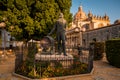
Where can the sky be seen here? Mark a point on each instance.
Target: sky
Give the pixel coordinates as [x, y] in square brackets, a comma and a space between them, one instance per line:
[98, 7]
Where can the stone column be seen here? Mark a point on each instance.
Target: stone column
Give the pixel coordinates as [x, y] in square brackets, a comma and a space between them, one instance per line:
[80, 38]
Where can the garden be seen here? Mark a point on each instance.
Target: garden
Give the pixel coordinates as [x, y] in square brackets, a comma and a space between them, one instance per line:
[36, 69]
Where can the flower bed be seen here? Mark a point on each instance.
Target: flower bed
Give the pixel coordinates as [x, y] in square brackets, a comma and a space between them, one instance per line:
[46, 69]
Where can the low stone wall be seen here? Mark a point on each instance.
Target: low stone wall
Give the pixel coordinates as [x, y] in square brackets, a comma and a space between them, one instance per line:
[101, 34]
[71, 77]
[52, 57]
[66, 61]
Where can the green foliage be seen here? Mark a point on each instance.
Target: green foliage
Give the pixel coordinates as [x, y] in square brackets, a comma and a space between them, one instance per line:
[57, 64]
[79, 68]
[113, 52]
[32, 50]
[33, 74]
[22, 69]
[32, 18]
[27, 69]
[76, 58]
[1, 19]
[45, 69]
[49, 72]
[64, 6]
[3, 5]
[99, 49]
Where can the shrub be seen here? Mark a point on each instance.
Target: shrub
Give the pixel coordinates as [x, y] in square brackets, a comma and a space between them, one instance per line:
[49, 72]
[22, 69]
[99, 49]
[32, 50]
[113, 52]
[44, 69]
[33, 74]
[79, 68]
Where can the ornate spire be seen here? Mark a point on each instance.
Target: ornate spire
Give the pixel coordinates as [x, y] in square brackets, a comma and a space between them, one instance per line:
[90, 14]
[95, 16]
[106, 17]
[80, 8]
[105, 14]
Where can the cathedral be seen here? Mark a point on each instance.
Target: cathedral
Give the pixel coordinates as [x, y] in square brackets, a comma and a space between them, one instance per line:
[88, 27]
[89, 21]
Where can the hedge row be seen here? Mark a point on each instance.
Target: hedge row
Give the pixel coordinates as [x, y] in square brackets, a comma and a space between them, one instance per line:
[113, 52]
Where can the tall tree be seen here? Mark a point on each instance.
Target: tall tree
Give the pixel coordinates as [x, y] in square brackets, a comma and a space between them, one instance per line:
[64, 6]
[28, 19]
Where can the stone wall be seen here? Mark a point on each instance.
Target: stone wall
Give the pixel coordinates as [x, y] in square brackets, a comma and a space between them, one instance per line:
[101, 34]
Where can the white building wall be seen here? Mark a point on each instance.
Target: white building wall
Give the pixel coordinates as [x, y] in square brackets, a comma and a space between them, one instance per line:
[5, 38]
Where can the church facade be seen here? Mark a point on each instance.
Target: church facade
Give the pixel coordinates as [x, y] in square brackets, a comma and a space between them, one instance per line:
[86, 27]
[89, 21]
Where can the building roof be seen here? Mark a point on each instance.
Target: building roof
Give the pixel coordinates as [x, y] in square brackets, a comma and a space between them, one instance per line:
[104, 27]
[117, 21]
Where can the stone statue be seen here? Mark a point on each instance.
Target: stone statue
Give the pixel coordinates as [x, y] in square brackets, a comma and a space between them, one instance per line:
[59, 27]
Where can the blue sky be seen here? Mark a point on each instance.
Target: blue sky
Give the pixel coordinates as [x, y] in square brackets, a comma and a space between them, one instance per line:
[99, 7]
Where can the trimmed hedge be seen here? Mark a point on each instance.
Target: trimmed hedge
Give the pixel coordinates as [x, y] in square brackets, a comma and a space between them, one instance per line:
[99, 49]
[113, 52]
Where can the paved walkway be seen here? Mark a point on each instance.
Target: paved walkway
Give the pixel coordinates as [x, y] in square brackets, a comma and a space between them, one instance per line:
[102, 71]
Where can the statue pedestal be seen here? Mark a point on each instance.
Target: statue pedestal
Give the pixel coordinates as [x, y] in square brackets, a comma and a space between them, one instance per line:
[66, 61]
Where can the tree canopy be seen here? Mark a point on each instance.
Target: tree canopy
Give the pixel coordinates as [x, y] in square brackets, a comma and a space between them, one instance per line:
[27, 19]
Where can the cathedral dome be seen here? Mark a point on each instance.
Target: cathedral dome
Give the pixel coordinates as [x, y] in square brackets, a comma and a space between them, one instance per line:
[80, 14]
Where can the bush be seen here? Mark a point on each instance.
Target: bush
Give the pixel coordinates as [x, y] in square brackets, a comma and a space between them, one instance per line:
[32, 50]
[45, 69]
[113, 52]
[99, 49]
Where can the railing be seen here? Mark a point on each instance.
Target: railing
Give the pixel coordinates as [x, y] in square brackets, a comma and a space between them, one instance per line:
[39, 65]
